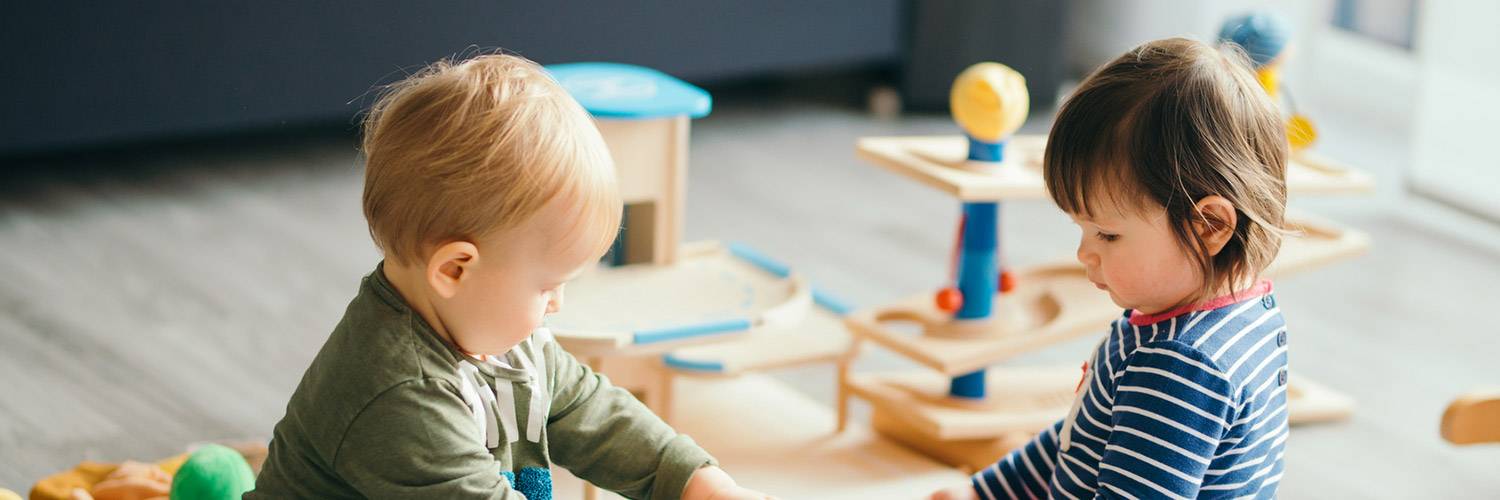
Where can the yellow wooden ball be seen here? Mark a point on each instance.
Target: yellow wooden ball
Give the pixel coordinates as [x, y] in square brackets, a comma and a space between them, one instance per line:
[1300, 132]
[989, 100]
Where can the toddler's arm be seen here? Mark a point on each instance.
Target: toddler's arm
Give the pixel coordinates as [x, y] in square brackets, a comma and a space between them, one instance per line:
[604, 435]
[1023, 473]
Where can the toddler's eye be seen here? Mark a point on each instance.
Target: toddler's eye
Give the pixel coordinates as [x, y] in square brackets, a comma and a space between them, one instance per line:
[1103, 236]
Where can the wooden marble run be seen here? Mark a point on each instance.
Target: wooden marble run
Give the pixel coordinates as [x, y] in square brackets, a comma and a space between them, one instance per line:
[965, 411]
[662, 307]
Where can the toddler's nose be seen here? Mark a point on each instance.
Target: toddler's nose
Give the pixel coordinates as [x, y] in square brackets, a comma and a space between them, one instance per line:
[1086, 257]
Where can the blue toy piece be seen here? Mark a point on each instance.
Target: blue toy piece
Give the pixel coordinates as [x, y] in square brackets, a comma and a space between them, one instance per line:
[655, 335]
[628, 92]
[978, 279]
[1263, 35]
[980, 150]
[760, 260]
[978, 265]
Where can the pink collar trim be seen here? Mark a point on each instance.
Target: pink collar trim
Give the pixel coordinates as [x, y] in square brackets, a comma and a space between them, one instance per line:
[1259, 289]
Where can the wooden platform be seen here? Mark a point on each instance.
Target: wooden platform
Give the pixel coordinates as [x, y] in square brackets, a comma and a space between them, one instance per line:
[1055, 303]
[710, 294]
[931, 160]
[1050, 304]
[775, 440]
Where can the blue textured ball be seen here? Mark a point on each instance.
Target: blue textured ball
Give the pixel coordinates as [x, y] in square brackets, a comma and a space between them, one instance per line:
[1263, 35]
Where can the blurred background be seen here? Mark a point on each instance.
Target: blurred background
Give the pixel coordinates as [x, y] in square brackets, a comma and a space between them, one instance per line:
[180, 217]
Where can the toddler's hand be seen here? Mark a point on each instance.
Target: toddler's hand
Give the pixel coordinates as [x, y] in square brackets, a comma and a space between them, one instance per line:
[712, 483]
[737, 492]
[964, 492]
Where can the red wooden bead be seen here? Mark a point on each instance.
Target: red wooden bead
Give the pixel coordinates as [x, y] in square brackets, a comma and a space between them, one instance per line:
[949, 300]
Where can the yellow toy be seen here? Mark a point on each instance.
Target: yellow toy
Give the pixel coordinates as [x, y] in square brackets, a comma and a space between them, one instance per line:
[1264, 36]
[990, 102]
[90, 480]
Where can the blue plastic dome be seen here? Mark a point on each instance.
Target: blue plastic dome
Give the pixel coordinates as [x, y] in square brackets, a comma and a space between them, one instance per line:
[624, 91]
[1263, 35]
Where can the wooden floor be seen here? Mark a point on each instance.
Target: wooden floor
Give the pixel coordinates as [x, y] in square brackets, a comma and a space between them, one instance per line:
[153, 299]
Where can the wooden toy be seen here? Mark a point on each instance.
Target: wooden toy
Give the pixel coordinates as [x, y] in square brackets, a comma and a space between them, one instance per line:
[132, 481]
[644, 116]
[711, 293]
[961, 332]
[660, 295]
[1473, 418]
[1265, 37]
[779, 441]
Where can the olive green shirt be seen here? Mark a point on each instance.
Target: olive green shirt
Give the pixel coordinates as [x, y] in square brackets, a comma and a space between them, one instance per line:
[388, 409]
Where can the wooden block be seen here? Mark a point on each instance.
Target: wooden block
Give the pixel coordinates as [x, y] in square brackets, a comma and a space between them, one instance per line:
[1309, 402]
[937, 162]
[651, 165]
[968, 455]
[1022, 400]
[1473, 418]
[1050, 304]
[775, 440]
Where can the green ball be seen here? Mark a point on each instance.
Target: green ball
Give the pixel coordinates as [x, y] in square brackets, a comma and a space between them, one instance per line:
[213, 472]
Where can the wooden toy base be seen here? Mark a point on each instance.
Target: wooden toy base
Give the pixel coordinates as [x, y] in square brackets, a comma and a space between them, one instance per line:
[778, 441]
[1309, 402]
[967, 455]
[914, 409]
[1023, 400]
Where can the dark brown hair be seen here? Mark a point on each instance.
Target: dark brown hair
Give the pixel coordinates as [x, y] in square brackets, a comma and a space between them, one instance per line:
[1169, 123]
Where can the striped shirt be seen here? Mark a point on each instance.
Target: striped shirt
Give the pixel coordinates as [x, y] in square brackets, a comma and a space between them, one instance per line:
[1189, 403]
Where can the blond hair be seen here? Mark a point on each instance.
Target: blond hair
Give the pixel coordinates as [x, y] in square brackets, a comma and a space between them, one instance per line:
[463, 150]
[1169, 123]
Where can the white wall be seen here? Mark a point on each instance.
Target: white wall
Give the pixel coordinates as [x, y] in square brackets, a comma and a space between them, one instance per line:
[1457, 120]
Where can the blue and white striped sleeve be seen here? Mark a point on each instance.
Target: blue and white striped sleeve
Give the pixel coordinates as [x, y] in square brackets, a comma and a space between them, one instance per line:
[1172, 407]
[1025, 472]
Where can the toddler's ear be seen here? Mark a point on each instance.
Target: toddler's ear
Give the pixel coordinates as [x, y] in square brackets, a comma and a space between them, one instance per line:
[1216, 222]
[449, 265]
